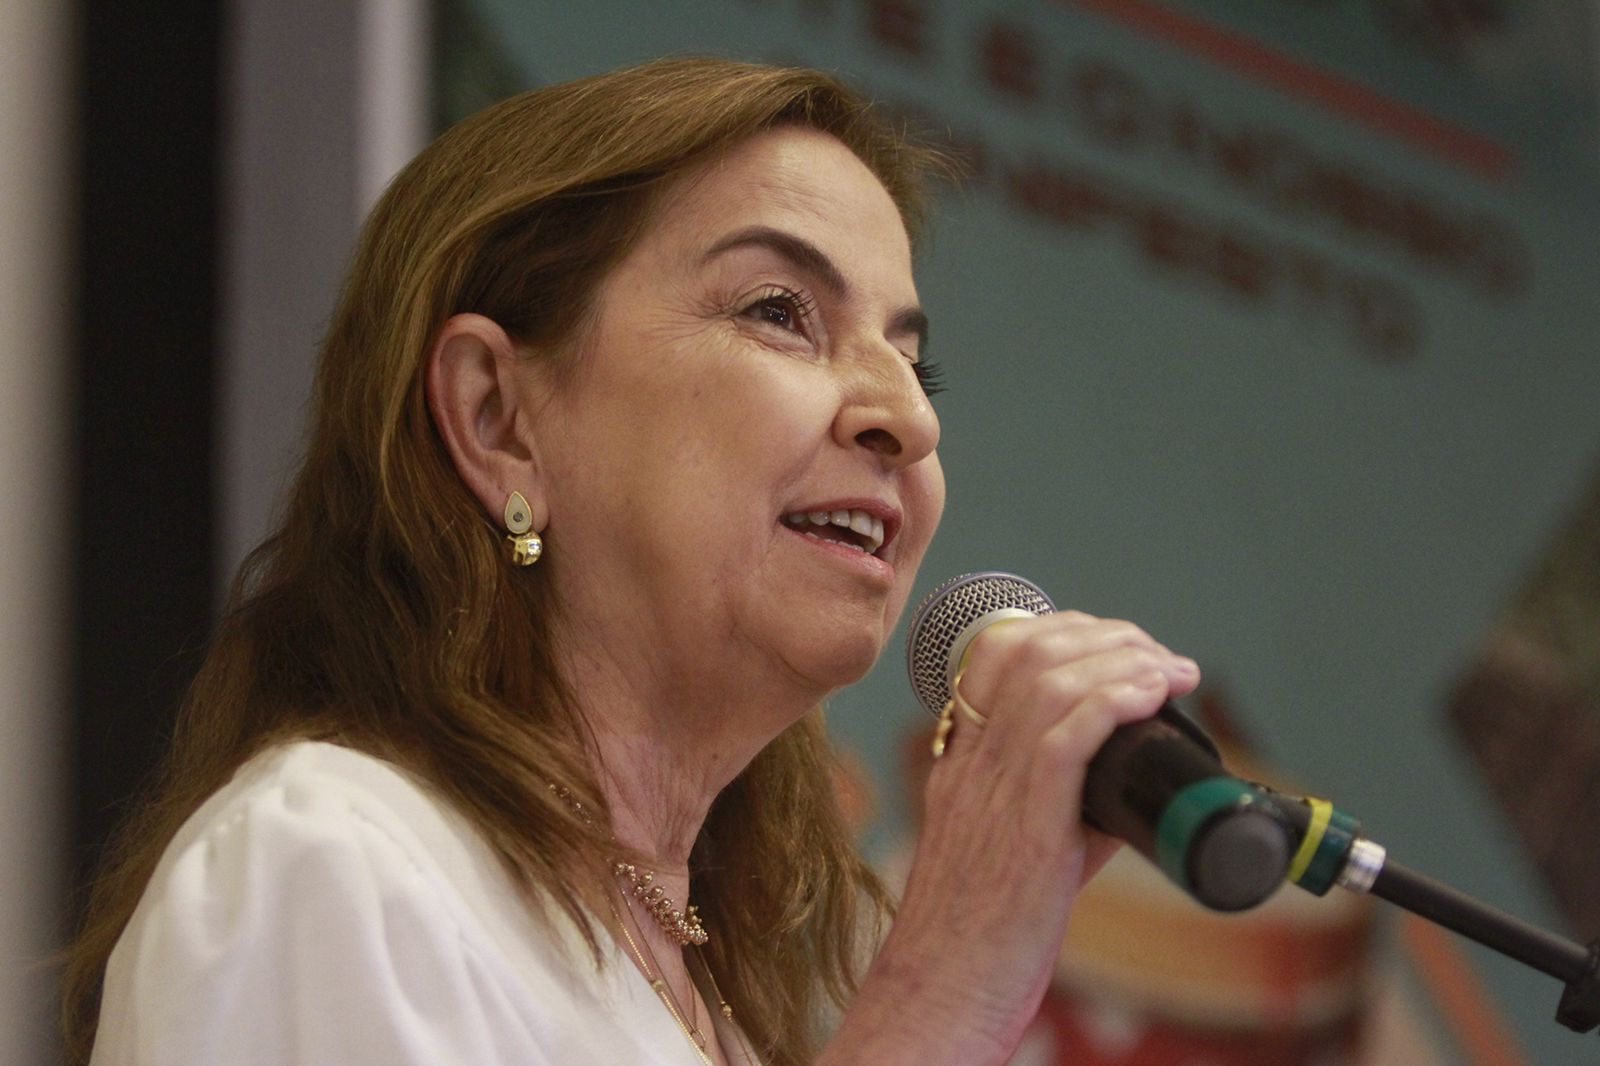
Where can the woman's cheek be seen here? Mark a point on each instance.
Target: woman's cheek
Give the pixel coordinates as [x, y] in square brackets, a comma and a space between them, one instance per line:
[925, 482]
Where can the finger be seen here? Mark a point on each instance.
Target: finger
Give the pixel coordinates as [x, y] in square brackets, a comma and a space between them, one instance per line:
[1034, 702]
[1064, 633]
[1030, 646]
[1065, 748]
[1187, 679]
[958, 719]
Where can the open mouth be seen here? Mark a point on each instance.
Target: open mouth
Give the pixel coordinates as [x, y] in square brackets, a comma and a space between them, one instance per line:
[854, 528]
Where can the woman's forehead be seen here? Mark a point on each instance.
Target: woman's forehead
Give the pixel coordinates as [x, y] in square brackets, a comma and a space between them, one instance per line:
[796, 169]
[793, 180]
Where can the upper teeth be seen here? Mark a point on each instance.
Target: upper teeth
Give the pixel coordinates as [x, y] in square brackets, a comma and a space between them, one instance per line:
[861, 522]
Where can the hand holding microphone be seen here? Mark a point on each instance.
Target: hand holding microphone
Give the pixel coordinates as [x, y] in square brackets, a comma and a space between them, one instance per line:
[1003, 849]
[1092, 695]
[1154, 782]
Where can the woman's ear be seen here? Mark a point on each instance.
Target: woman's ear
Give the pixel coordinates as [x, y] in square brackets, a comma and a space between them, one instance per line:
[471, 383]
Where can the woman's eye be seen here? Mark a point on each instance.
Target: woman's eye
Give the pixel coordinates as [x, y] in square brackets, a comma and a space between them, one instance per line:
[930, 376]
[779, 312]
[788, 311]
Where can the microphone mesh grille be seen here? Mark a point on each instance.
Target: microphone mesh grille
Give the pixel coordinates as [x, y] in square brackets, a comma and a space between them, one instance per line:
[947, 611]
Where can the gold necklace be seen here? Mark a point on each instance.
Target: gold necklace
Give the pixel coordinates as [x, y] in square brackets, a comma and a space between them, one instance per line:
[722, 1004]
[682, 926]
[745, 1054]
[663, 991]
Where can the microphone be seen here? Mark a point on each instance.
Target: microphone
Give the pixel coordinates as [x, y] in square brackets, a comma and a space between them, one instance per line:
[1158, 784]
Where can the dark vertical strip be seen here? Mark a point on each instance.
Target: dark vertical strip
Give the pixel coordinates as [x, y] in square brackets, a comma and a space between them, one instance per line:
[147, 318]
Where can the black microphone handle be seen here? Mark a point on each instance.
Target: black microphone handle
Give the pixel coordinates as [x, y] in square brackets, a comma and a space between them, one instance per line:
[1159, 785]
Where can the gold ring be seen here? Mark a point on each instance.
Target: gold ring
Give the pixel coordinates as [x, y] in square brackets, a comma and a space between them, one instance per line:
[941, 732]
[947, 718]
[978, 719]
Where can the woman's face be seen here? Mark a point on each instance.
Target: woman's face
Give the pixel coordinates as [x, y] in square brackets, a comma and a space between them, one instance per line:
[752, 363]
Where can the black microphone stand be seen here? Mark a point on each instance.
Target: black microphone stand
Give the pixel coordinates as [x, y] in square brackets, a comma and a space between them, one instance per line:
[1333, 852]
[1240, 848]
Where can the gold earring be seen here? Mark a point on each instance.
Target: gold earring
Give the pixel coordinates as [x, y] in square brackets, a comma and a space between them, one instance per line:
[526, 547]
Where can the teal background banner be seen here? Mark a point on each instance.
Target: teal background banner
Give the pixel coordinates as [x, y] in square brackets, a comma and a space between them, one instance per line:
[1268, 325]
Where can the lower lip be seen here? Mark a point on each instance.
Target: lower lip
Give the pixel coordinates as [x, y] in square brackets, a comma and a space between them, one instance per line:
[867, 564]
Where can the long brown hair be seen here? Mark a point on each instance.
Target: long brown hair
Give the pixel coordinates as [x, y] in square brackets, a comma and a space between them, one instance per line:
[382, 614]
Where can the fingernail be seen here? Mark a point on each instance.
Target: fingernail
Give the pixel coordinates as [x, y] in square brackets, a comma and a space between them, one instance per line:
[1188, 665]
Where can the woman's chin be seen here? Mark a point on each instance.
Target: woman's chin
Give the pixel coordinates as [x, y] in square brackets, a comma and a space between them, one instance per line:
[837, 663]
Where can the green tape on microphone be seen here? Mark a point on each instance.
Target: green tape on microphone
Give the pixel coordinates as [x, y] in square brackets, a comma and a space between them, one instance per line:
[1188, 813]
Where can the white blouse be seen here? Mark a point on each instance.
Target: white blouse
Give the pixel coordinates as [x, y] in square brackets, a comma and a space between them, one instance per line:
[324, 909]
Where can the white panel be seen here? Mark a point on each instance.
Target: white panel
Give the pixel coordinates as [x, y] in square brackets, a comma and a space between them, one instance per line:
[325, 101]
[392, 98]
[33, 353]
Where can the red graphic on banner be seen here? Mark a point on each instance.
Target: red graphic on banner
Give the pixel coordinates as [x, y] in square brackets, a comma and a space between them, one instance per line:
[1297, 78]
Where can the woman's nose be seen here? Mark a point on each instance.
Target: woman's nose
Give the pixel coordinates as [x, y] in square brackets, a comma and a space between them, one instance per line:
[886, 412]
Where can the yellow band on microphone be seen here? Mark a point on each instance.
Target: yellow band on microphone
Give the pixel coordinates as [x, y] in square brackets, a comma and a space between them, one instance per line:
[1321, 815]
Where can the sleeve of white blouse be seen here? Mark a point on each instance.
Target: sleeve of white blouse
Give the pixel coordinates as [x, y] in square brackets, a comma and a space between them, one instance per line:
[294, 930]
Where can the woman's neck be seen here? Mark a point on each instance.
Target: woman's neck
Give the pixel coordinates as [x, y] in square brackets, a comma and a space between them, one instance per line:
[657, 805]
[665, 748]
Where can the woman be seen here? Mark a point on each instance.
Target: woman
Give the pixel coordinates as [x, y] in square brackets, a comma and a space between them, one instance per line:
[622, 462]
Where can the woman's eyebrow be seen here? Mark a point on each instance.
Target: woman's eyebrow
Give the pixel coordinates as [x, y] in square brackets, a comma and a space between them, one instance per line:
[801, 254]
[808, 258]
